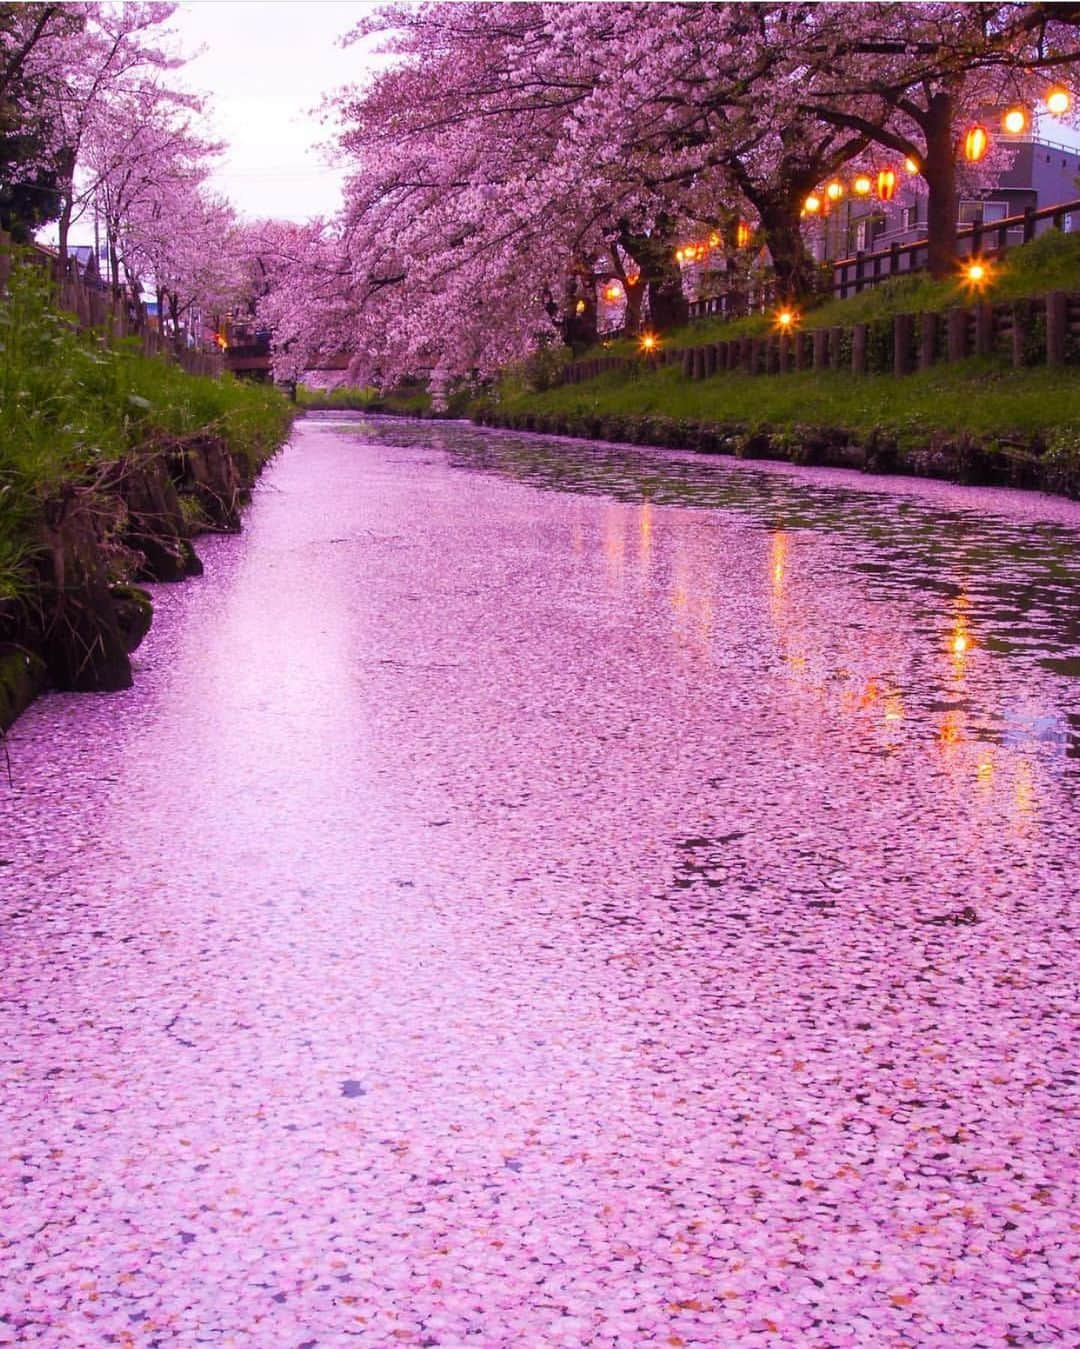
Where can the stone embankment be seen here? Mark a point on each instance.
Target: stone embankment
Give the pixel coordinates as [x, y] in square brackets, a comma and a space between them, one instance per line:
[85, 612]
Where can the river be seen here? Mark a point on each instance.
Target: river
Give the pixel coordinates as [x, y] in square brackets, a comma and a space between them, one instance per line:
[538, 893]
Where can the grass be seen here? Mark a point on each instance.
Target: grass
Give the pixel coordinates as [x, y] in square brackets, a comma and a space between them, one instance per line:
[69, 403]
[982, 397]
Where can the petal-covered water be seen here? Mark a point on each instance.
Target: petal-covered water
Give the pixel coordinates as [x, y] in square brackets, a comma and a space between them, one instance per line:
[538, 894]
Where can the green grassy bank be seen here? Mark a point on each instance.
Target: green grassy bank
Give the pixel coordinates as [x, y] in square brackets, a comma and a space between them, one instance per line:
[110, 462]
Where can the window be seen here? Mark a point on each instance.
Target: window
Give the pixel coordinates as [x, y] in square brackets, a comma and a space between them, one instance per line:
[910, 216]
[980, 212]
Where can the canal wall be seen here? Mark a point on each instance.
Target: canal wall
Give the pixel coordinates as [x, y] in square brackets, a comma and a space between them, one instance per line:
[83, 611]
[1025, 462]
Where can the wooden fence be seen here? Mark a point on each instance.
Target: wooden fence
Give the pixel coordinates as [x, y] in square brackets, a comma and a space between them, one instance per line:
[1030, 332]
[96, 309]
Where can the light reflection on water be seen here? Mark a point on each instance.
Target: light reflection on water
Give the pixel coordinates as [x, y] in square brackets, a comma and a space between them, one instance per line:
[980, 573]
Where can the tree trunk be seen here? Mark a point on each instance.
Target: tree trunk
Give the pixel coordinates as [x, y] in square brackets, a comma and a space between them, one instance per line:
[579, 324]
[65, 186]
[668, 307]
[939, 171]
[796, 271]
[659, 274]
[632, 315]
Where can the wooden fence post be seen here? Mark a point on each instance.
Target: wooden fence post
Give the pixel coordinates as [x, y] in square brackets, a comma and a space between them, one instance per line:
[903, 328]
[687, 363]
[836, 338]
[984, 329]
[858, 349]
[1057, 314]
[710, 360]
[956, 323]
[821, 348]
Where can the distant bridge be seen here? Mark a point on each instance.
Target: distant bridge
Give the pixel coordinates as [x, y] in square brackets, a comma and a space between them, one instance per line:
[251, 360]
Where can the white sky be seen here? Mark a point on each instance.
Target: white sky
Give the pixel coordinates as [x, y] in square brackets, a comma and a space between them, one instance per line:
[266, 67]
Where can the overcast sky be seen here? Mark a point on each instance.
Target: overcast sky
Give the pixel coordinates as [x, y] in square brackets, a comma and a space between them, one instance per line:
[266, 66]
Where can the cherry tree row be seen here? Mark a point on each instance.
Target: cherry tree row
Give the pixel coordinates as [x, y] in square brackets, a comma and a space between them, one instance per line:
[516, 161]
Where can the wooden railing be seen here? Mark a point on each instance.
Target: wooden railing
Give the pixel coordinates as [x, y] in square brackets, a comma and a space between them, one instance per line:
[862, 270]
[854, 274]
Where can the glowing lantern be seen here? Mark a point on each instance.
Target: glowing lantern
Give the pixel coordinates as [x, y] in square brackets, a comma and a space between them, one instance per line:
[679, 255]
[835, 190]
[785, 319]
[648, 342]
[861, 186]
[1015, 121]
[977, 273]
[912, 165]
[886, 185]
[613, 292]
[579, 308]
[742, 234]
[1058, 101]
[714, 240]
[812, 204]
[976, 143]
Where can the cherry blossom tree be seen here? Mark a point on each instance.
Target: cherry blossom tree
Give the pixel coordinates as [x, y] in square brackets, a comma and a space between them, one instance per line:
[145, 163]
[82, 60]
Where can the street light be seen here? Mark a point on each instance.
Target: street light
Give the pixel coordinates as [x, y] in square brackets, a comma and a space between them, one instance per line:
[1058, 100]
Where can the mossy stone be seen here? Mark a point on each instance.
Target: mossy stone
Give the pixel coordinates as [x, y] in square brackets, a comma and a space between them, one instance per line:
[134, 611]
[22, 677]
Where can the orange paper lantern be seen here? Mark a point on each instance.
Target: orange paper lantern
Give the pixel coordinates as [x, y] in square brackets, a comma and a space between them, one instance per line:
[976, 144]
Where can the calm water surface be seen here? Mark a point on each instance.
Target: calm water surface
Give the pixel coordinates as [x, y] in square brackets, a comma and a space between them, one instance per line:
[538, 894]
